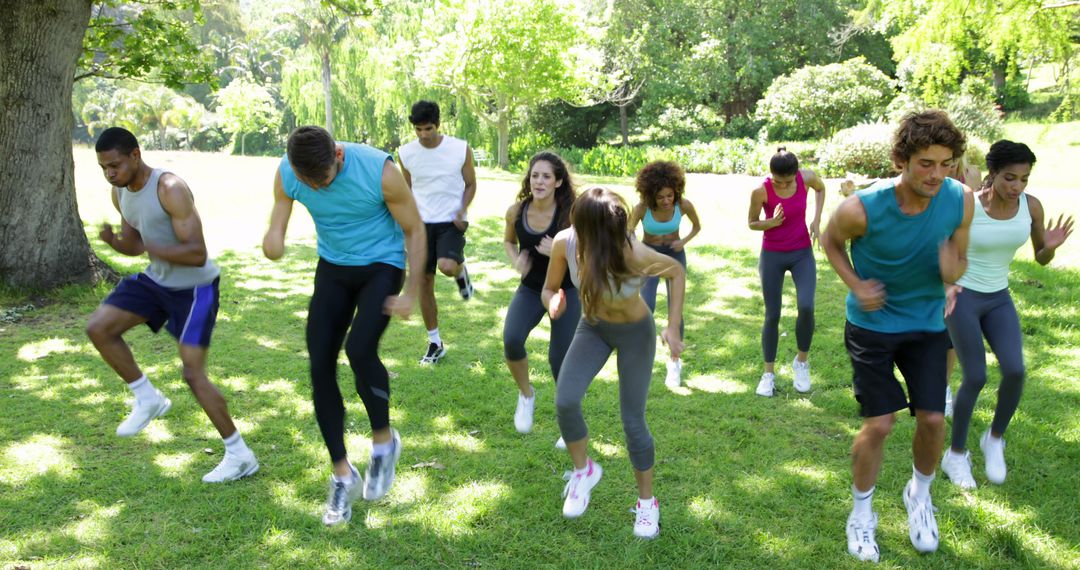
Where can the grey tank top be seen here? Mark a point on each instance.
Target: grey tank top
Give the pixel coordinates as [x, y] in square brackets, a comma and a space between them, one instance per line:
[144, 212]
[630, 287]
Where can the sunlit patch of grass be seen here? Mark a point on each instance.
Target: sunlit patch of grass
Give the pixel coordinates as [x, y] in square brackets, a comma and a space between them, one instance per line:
[458, 510]
[717, 385]
[44, 348]
[37, 456]
[93, 522]
[174, 464]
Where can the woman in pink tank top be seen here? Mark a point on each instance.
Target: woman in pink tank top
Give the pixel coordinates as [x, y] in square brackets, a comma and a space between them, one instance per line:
[786, 246]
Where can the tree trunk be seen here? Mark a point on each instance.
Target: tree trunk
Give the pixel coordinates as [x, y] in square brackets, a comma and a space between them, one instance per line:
[503, 114]
[326, 90]
[44, 244]
[623, 129]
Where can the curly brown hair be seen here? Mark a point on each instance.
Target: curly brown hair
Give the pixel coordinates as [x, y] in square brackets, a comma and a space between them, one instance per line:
[656, 176]
[919, 131]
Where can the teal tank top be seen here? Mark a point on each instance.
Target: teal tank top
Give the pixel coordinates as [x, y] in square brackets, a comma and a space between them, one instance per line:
[992, 246]
[653, 227]
[353, 224]
[901, 252]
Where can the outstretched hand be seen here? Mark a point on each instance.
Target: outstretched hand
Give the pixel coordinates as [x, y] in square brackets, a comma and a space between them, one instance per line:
[1057, 232]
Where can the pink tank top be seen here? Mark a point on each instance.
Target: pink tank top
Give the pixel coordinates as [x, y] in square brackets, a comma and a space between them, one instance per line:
[792, 234]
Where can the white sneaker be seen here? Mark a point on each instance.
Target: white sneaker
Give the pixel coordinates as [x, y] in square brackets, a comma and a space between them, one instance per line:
[922, 527]
[674, 373]
[560, 443]
[993, 449]
[647, 523]
[578, 488]
[801, 371]
[142, 413]
[861, 542]
[948, 401]
[957, 467]
[379, 476]
[232, 467]
[339, 502]
[766, 385]
[523, 416]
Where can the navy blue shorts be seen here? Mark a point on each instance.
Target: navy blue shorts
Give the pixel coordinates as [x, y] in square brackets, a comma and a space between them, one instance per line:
[188, 314]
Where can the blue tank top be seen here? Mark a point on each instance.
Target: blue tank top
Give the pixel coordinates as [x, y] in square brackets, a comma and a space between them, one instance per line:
[901, 252]
[651, 226]
[353, 224]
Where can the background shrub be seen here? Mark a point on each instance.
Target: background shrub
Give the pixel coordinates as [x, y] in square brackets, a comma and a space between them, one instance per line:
[817, 100]
[973, 114]
[862, 149]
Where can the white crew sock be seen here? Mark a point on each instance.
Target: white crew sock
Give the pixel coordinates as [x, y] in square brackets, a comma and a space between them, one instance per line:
[863, 502]
[920, 484]
[142, 388]
[433, 336]
[235, 444]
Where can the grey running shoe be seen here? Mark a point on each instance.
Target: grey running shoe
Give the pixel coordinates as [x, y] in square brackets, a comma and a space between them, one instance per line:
[339, 502]
[380, 472]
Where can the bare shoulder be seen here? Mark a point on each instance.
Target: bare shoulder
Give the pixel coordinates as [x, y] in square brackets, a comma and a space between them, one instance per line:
[513, 211]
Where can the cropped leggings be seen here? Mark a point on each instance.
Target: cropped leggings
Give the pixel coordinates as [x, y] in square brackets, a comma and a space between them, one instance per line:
[992, 315]
[648, 290]
[525, 312]
[771, 267]
[589, 351]
[344, 295]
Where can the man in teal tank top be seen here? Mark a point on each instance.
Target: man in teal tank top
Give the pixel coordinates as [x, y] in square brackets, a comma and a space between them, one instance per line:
[178, 291]
[365, 220]
[909, 237]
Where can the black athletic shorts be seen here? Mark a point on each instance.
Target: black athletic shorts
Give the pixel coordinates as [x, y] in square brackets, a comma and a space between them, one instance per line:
[444, 240]
[920, 356]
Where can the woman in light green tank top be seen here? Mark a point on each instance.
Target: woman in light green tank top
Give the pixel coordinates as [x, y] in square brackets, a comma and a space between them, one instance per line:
[979, 304]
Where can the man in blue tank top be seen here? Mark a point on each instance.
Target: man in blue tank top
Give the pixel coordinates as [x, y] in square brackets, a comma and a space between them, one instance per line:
[179, 290]
[908, 237]
[365, 219]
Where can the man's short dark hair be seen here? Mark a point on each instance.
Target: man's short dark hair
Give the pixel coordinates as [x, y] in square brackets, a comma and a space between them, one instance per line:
[118, 139]
[424, 112]
[311, 151]
[920, 131]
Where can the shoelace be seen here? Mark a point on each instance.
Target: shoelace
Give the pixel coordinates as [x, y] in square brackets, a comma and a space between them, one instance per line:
[571, 481]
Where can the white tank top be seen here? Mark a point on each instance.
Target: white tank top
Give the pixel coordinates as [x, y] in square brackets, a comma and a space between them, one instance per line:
[992, 246]
[437, 183]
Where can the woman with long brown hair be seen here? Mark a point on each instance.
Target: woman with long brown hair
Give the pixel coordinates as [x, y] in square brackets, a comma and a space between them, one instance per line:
[609, 266]
[542, 209]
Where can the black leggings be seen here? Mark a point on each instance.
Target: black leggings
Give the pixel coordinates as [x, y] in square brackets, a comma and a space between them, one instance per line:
[345, 294]
[525, 312]
[771, 267]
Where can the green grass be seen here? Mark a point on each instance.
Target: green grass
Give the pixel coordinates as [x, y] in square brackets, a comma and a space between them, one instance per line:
[745, 482]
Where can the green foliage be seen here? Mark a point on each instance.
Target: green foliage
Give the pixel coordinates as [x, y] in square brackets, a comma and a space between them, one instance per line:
[817, 100]
[721, 156]
[571, 125]
[145, 40]
[246, 108]
[862, 149]
[971, 114]
[679, 125]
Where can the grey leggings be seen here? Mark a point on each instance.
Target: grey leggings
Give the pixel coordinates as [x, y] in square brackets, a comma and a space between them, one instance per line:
[991, 315]
[525, 312]
[589, 351]
[771, 267]
[648, 290]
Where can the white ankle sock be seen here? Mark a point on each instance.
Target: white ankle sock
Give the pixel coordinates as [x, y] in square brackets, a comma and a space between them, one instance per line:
[143, 389]
[433, 336]
[920, 484]
[353, 475]
[863, 502]
[381, 449]
[235, 444]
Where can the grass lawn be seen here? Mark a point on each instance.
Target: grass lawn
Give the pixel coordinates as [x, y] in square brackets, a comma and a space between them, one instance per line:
[744, 481]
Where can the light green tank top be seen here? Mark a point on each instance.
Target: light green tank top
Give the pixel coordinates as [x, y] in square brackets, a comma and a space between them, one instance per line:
[992, 246]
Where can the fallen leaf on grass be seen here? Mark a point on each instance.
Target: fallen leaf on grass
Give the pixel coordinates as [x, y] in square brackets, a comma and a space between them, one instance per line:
[429, 464]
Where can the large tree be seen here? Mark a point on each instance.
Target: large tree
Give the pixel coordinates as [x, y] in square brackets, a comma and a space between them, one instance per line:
[41, 46]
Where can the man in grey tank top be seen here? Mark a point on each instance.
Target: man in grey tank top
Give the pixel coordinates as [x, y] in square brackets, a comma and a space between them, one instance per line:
[179, 290]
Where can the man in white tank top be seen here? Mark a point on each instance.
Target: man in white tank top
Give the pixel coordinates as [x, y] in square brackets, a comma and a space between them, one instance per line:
[178, 291]
[439, 170]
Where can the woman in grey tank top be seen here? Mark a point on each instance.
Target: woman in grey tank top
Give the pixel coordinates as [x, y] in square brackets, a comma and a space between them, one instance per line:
[608, 267]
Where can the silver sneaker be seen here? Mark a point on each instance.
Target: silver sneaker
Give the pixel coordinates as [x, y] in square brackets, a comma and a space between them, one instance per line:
[339, 502]
[380, 472]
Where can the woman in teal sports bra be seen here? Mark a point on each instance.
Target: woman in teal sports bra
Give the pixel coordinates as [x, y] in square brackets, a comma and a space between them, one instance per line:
[660, 185]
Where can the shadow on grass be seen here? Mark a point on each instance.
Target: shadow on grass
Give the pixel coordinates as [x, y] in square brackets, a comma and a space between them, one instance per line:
[745, 481]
